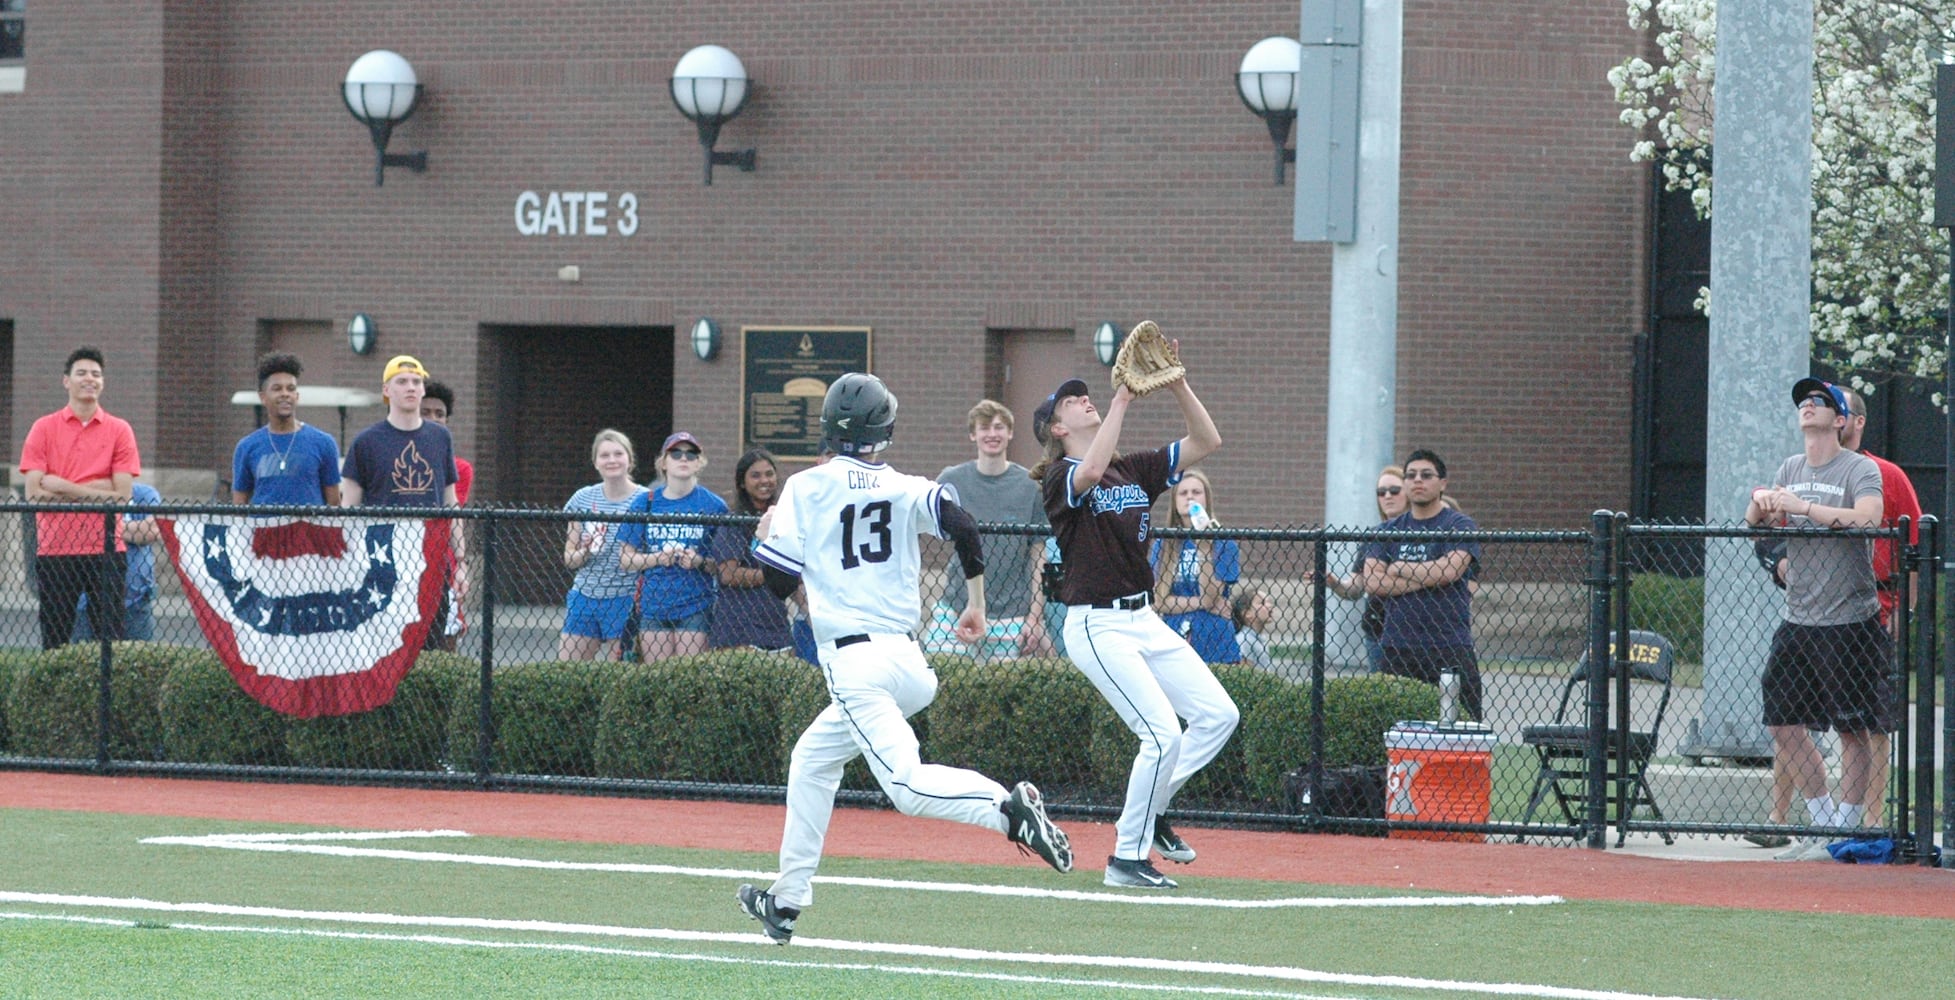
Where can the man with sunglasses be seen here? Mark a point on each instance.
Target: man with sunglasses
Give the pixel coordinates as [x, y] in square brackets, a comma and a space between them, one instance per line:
[1425, 586]
[1828, 665]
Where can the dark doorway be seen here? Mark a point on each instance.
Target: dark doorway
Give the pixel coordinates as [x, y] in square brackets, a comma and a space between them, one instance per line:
[554, 388]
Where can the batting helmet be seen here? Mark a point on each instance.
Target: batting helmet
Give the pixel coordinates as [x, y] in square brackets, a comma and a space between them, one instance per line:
[859, 415]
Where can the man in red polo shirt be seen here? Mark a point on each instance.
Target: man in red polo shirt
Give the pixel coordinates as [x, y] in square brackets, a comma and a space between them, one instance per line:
[79, 454]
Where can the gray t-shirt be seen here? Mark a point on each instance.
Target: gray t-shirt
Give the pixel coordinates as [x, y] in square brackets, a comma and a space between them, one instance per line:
[1829, 581]
[1010, 497]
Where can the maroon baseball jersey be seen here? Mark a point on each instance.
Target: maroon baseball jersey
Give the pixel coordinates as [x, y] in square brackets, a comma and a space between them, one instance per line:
[1103, 532]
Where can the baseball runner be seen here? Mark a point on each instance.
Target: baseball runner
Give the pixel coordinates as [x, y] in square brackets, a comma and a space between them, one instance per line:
[847, 531]
[1099, 504]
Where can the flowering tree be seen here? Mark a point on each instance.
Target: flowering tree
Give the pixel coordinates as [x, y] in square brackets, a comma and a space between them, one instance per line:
[1879, 267]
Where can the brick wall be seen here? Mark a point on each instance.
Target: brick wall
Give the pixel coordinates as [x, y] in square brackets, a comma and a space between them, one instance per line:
[930, 170]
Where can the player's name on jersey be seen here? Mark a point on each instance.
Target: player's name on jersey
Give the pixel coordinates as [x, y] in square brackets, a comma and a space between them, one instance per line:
[864, 479]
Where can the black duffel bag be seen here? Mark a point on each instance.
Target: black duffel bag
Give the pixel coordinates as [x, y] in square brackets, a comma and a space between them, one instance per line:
[1356, 792]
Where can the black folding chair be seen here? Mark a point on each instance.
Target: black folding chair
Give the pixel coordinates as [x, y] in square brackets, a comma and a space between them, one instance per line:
[1563, 744]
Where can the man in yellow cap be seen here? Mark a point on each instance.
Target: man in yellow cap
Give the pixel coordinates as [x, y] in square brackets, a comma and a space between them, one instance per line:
[402, 461]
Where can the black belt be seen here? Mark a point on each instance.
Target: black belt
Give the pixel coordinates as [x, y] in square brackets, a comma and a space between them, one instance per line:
[850, 640]
[1133, 602]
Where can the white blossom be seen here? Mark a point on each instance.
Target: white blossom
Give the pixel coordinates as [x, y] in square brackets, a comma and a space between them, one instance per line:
[1879, 267]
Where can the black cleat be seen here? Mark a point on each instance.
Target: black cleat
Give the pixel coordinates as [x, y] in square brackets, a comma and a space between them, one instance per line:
[1124, 874]
[778, 922]
[1170, 844]
[1027, 825]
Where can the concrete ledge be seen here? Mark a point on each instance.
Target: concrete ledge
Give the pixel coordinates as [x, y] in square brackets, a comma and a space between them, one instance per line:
[1699, 794]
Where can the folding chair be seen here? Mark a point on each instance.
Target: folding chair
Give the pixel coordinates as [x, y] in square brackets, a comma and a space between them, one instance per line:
[1563, 745]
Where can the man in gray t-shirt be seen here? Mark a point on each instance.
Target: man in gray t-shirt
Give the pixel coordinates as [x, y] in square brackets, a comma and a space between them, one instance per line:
[1829, 661]
[997, 490]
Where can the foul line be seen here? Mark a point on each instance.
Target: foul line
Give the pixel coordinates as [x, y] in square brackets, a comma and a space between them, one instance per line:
[1119, 962]
[321, 844]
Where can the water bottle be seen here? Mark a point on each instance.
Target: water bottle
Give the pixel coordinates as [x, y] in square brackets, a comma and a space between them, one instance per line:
[1448, 697]
[1198, 516]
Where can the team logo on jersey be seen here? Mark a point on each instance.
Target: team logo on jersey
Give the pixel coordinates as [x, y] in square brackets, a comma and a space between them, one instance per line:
[1115, 499]
[312, 619]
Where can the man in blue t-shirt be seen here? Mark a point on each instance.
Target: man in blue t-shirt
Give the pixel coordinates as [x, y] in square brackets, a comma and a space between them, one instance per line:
[287, 461]
[1428, 606]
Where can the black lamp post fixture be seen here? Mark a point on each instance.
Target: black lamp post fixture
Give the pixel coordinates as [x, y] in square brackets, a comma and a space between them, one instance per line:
[1267, 83]
[710, 86]
[381, 92]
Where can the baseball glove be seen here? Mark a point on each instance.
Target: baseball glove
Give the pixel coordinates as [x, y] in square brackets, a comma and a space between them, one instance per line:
[1146, 361]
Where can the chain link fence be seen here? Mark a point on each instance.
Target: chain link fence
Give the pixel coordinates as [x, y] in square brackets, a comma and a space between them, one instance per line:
[450, 649]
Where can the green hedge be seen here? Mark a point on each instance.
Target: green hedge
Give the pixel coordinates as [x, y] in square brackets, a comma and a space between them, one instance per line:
[1012, 719]
[1673, 606]
[207, 718]
[406, 734]
[712, 717]
[1357, 712]
[546, 718]
[12, 661]
[1225, 781]
[51, 707]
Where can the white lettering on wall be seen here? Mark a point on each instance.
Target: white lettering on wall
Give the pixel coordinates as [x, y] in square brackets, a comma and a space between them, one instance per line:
[575, 213]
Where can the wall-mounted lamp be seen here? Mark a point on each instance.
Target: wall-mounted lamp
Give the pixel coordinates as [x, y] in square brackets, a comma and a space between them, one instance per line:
[1106, 343]
[710, 86]
[361, 333]
[705, 339]
[381, 92]
[1267, 83]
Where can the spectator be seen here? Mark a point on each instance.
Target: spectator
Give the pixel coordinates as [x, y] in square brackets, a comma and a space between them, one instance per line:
[1830, 657]
[1193, 577]
[1428, 603]
[79, 454]
[600, 598]
[747, 614]
[1392, 502]
[287, 461]
[407, 460]
[1252, 611]
[138, 580]
[437, 406]
[675, 594]
[996, 490]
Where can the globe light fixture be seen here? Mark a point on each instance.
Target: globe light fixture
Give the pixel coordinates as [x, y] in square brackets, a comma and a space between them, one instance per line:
[710, 86]
[1267, 83]
[381, 91]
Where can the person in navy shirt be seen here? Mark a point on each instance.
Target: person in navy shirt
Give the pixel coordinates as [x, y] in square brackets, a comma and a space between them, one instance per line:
[675, 594]
[1426, 586]
[287, 461]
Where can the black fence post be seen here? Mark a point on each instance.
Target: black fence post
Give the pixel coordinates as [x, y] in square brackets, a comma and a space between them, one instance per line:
[1921, 618]
[1602, 528]
[1319, 608]
[104, 701]
[485, 738]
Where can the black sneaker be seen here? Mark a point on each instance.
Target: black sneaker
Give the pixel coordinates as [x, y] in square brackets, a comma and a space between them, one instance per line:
[1124, 874]
[1027, 826]
[777, 921]
[1170, 844]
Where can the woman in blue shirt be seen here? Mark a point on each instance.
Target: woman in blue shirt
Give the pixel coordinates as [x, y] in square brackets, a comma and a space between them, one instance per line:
[1193, 577]
[675, 593]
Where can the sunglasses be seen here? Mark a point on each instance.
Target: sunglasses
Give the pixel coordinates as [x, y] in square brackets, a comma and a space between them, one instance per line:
[1389, 491]
[1421, 474]
[1816, 399]
[685, 453]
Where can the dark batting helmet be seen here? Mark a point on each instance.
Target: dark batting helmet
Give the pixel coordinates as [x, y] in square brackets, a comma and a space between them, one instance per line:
[859, 415]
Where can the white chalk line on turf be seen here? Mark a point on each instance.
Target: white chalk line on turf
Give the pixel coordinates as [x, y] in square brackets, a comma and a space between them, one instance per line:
[1123, 963]
[591, 949]
[318, 843]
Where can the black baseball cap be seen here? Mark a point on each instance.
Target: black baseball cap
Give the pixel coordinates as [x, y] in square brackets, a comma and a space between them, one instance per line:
[1042, 417]
[1807, 386]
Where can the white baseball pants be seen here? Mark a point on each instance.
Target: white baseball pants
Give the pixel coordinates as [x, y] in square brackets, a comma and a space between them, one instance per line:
[1150, 675]
[875, 686]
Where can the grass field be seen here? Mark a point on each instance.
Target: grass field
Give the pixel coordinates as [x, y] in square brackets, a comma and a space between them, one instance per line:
[95, 905]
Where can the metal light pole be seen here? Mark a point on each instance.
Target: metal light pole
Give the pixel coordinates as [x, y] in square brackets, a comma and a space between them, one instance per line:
[1945, 220]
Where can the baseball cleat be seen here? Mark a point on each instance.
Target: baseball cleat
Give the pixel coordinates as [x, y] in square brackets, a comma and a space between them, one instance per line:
[1124, 874]
[1170, 844]
[777, 921]
[1027, 825]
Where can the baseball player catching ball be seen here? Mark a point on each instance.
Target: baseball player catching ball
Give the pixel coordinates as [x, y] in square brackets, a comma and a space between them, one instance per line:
[847, 530]
[1099, 505]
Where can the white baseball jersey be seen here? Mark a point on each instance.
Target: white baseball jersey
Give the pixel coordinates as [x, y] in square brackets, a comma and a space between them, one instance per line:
[848, 528]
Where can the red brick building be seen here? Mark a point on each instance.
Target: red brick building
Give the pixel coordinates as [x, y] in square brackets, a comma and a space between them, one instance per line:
[980, 184]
